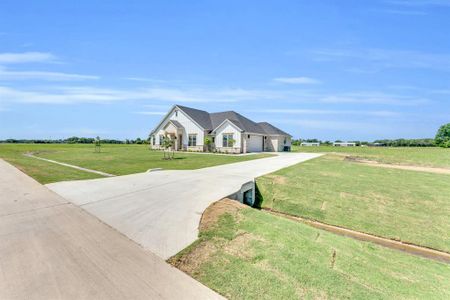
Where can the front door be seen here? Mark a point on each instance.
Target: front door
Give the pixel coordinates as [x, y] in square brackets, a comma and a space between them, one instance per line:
[180, 142]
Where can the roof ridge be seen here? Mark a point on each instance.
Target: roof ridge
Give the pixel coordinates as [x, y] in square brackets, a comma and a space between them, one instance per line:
[182, 106]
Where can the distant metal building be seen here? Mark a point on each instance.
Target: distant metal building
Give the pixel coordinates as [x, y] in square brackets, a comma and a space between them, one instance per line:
[344, 144]
[309, 144]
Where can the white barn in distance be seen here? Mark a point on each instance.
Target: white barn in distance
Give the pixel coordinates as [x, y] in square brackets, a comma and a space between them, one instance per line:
[305, 144]
[228, 132]
[344, 144]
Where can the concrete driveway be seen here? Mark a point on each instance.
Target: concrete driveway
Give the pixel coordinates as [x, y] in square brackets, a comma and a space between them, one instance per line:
[161, 210]
[52, 249]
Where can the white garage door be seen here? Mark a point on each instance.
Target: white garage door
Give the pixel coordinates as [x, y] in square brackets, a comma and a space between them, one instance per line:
[255, 143]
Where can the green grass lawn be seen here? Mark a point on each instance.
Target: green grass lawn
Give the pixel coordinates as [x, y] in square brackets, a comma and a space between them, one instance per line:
[431, 156]
[404, 205]
[114, 159]
[250, 254]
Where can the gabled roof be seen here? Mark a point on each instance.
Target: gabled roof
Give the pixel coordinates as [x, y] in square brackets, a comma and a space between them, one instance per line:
[176, 123]
[237, 119]
[272, 130]
[210, 121]
[199, 116]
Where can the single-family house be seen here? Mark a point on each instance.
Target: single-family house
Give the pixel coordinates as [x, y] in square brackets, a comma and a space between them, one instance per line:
[228, 132]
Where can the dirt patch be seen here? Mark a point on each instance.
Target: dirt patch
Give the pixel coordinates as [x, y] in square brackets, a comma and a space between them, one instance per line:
[373, 163]
[192, 258]
[31, 153]
[212, 214]
[191, 261]
[277, 179]
[238, 246]
[333, 259]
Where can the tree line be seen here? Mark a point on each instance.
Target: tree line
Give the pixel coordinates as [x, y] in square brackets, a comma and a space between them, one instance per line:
[442, 139]
[380, 143]
[74, 140]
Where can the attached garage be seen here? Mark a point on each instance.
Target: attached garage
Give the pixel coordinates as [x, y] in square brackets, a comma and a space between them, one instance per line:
[254, 143]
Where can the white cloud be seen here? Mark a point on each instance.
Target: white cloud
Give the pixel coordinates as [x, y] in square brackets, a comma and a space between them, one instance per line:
[30, 57]
[151, 113]
[26, 57]
[163, 107]
[323, 124]
[376, 59]
[420, 2]
[42, 75]
[297, 80]
[376, 113]
[442, 92]
[71, 95]
[373, 98]
[87, 94]
[406, 12]
[142, 79]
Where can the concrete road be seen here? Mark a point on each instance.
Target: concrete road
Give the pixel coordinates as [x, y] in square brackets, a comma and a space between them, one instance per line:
[52, 249]
[161, 210]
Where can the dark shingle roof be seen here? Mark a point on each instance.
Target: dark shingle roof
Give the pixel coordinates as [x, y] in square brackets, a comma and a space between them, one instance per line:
[199, 116]
[210, 121]
[176, 123]
[270, 129]
[237, 119]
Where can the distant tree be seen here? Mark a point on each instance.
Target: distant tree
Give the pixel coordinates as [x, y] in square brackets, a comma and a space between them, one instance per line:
[138, 141]
[98, 144]
[442, 138]
[72, 140]
[295, 142]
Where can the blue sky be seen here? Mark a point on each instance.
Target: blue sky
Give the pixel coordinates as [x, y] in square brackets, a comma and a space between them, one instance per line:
[317, 69]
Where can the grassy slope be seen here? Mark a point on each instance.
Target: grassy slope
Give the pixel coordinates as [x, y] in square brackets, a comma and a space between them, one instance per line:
[42, 171]
[405, 205]
[114, 159]
[267, 257]
[432, 157]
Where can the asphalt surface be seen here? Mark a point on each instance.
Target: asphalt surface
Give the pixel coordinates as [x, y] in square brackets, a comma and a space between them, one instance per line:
[52, 249]
[161, 210]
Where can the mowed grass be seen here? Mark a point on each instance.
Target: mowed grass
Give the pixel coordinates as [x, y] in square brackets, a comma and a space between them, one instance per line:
[251, 254]
[429, 157]
[113, 159]
[403, 205]
[43, 172]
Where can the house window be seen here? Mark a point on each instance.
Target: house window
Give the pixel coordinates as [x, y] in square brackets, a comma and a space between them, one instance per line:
[153, 140]
[192, 140]
[227, 140]
[285, 141]
[176, 113]
[161, 139]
